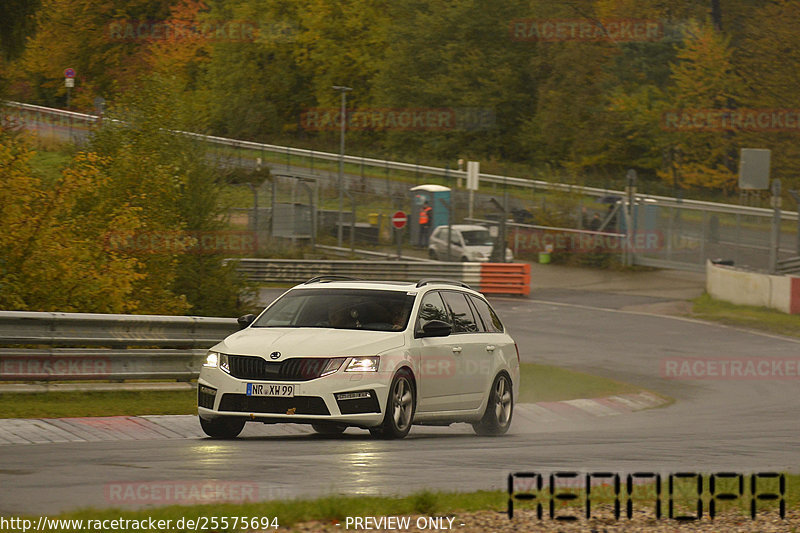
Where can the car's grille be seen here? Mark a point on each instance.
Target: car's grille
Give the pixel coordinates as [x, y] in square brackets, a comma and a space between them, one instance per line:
[298, 369]
[302, 405]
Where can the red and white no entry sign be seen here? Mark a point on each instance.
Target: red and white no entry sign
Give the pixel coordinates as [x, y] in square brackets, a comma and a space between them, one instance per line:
[399, 220]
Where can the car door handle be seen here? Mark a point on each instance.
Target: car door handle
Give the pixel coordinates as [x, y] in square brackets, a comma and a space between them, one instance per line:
[490, 347]
[456, 349]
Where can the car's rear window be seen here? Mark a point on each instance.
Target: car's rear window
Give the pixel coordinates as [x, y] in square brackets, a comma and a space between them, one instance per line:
[368, 309]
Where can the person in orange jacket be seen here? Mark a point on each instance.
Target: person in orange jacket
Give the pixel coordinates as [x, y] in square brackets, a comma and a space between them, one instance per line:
[425, 219]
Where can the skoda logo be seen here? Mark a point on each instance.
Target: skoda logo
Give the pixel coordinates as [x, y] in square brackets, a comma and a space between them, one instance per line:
[275, 355]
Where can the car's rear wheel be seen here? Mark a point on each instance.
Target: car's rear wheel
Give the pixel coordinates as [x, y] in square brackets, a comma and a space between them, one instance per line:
[222, 428]
[400, 407]
[329, 429]
[499, 409]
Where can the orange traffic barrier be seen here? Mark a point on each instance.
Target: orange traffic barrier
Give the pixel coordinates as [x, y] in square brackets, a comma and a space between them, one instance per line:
[506, 278]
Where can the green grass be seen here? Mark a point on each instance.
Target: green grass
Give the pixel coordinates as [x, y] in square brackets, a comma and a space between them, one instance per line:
[335, 509]
[759, 318]
[71, 404]
[545, 383]
[327, 509]
[539, 383]
[48, 164]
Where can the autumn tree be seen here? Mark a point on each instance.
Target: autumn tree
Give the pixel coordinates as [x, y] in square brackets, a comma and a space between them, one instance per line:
[768, 58]
[704, 79]
[102, 41]
[52, 250]
[171, 180]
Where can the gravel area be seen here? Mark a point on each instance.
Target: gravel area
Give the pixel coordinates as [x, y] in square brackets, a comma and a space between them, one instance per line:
[491, 521]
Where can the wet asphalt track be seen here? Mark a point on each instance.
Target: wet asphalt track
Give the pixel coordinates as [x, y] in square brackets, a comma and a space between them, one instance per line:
[743, 425]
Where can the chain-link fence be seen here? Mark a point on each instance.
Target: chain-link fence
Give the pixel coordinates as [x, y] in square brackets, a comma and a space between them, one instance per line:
[305, 200]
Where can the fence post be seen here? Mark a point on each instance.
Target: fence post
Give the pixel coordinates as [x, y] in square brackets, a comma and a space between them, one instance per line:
[704, 237]
[775, 236]
[796, 196]
[630, 215]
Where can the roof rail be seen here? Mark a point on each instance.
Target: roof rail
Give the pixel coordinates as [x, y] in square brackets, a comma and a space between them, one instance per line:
[317, 279]
[426, 281]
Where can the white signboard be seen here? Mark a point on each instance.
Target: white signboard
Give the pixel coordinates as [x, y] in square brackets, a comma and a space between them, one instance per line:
[754, 169]
[473, 173]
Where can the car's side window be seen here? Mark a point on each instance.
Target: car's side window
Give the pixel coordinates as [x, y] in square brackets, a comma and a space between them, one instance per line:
[480, 323]
[432, 308]
[487, 314]
[463, 319]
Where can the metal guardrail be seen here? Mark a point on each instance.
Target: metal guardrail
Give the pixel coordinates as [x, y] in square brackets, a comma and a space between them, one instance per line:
[297, 271]
[437, 171]
[82, 346]
[389, 256]
[789, 266]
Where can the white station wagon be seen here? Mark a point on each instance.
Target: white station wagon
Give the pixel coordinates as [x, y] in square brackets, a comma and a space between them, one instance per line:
[380, 356]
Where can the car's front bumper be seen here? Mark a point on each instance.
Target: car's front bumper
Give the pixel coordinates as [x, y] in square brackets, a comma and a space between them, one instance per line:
[220, 394]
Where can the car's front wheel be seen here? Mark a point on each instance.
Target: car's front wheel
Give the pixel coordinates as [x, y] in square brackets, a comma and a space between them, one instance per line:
[222, 428]
[432, 254]
[400, 407]
[499, 409]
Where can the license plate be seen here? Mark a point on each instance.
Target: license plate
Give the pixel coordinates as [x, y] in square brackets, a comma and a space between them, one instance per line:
[276, 390]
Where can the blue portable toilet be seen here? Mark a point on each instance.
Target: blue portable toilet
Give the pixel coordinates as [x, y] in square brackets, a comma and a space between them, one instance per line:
[438, 197]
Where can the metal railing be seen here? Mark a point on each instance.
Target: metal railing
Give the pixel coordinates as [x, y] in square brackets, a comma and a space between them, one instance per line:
[89, 120]
[297, 271]
[36, 346]
[82, 346]
[689, 231]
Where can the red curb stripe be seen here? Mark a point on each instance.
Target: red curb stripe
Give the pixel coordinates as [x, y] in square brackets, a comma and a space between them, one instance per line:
[794, 297]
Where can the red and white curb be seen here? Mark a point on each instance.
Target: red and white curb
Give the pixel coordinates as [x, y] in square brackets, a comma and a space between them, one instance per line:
[127, 428]
[596, 407]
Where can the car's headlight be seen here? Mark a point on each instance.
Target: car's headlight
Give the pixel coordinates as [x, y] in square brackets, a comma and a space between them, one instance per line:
[363, 364]
[217, 360]
[212, 360]
[332, 366]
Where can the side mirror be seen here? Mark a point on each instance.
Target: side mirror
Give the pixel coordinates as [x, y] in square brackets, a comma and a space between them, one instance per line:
[436, 328]
[245, 320]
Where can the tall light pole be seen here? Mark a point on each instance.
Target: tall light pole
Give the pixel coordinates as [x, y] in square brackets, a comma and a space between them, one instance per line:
[343, 116]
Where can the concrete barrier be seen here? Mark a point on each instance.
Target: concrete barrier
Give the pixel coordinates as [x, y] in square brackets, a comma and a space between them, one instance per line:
[752, 288]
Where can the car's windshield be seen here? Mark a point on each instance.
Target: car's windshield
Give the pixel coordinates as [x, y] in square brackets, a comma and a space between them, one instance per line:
[478, 237]
[377, 310]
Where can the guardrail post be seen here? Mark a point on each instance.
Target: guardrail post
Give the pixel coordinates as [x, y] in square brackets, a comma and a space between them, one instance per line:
[796, 196]
[775, 235]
